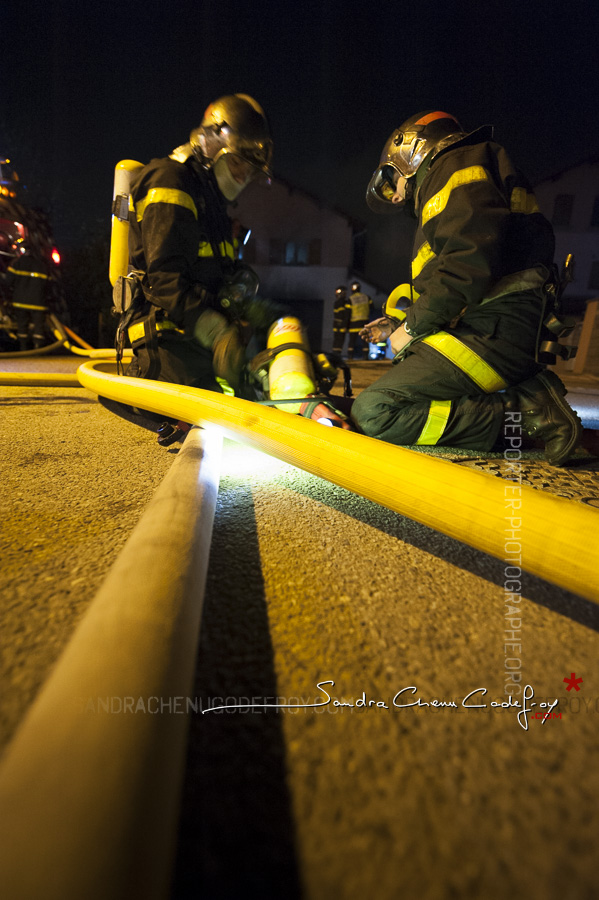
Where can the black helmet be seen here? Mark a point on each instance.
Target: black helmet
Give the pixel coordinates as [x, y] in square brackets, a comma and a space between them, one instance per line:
[234, 124]
[341, 289]
[356, 287]
[423, 135]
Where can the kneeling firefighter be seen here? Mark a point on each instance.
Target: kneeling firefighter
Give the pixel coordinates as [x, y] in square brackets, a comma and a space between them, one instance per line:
[187, 304]
[186, 301]
[472, 348]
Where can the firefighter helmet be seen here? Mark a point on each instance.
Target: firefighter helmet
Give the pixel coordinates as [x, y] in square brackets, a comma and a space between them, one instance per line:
[356, 287]
[235, 124]
[420, 137]
[341, 290]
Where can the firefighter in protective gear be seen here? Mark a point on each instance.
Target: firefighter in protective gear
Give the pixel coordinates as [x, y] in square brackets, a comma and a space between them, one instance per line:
[342, 315]
[482, 263]
[29, 279]
[361, 306]
[194, 298]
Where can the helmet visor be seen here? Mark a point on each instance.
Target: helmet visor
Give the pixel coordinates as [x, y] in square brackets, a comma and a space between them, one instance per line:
[245, 164]
[381, 190]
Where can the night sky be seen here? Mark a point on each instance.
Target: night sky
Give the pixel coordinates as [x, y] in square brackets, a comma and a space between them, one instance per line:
[83, 87]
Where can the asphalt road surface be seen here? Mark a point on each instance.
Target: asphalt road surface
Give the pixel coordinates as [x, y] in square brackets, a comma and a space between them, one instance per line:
[322, 601]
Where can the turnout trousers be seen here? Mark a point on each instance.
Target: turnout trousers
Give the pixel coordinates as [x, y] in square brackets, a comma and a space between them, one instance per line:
[446, 391]
[354, 342]
[178, 361]
[339, 333]
[37, 315]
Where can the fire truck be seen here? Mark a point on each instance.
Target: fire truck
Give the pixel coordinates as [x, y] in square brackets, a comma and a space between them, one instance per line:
[18, 221]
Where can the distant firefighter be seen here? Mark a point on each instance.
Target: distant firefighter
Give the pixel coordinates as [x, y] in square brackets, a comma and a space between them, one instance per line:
[28, 279]
[342, 315]
[361, 307]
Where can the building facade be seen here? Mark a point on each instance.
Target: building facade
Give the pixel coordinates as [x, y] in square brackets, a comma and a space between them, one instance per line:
[302, 250]
[570, 200]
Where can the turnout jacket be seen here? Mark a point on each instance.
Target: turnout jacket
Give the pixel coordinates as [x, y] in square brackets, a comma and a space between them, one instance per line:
[361, 304]
[480, 242]
[28, 277]
[342, 313]
[180, 237]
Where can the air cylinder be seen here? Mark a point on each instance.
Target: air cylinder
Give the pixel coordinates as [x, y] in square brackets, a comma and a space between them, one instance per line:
[119, 237]
[291, 374]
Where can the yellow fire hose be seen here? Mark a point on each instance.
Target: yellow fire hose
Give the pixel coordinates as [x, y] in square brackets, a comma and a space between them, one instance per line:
[77, 339]
[485, 512]
[26, 354]
[39, 379]
[61, 332]
[105, 353]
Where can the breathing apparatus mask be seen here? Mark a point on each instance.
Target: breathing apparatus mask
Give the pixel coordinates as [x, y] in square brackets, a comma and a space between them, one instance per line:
[228, 185]
[239, 288]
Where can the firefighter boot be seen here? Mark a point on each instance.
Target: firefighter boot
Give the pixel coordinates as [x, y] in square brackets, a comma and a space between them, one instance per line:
[546, 415]
[169, 433]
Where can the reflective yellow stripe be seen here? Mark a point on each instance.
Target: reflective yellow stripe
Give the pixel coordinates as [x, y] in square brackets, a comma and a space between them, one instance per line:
[165, 195]
[467, 360]
[522, 201]
[29, 306]
[226, 249]
[136, 331]
[436, 423]
[424, 255]
[29, 274]
[226, 387]
[463, 176]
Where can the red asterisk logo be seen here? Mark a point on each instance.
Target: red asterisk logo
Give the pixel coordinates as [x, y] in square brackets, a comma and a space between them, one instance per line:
[573, 682]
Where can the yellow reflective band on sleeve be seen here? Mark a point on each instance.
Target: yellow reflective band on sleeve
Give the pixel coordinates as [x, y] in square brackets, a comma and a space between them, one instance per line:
[226, 249]
[165, 195]
[28, 274]
[424, 255]
[467, 360]
[463, 176]
[226, 387]
[436, 423]
[522, 201]
[29, 306]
